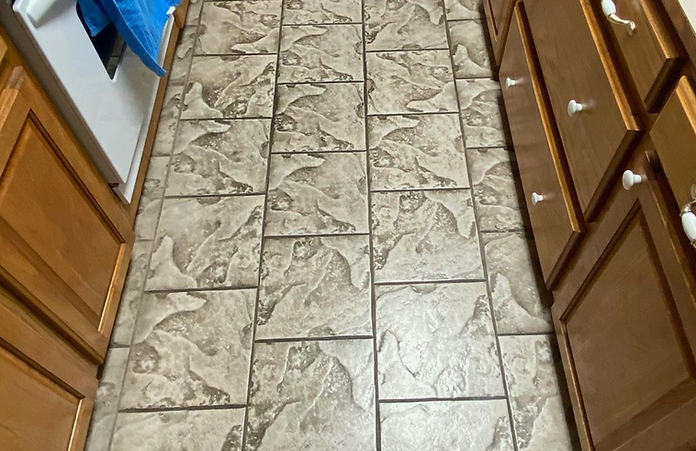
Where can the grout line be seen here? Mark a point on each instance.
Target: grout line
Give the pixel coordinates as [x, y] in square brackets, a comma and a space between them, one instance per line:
[373, 300]
[408, 190]
[238, 54]
[436, 49]
[320, 152]
[211, 196]
[412, 113]
[243, 118]
[170, 155]
[245, 424]
[309, 339]
[318, 235]
[525, 334]
[427, 282]
[183, 408]
[481, 246]
[196, 289]
[455, 399]
[326, 82]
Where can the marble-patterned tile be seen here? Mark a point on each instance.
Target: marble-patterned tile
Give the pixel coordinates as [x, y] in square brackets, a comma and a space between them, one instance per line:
[464, 9]
[410, 82]
[315, 287]
[469, 49]
[106, 403]
[317, 194]
[404, 25]
[312, 396]
[481, 103]
[317, 53]
[417, 152]
[521, 302]
[425, 235]
[169, 117]
[436, 341]
[209, 157]
[132, 292]
[322, 11]
[190, 349]
[151, 198]
[194, 12]
[446, 426]
[493, 173]
[209, 242]
[230, 86]
[182, 57]
[540, 413]
[319, 117]
[200, 430]
[239, 27]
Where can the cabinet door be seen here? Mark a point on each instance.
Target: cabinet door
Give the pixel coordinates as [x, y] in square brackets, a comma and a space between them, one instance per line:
[625, 319]
[65, 238]
[46, 388]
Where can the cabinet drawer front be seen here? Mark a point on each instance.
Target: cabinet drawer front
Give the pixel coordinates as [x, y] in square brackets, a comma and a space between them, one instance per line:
[650, 52]
[554, 220]
[622, 315]
[674, 136]
[572, 58]
[61, 249]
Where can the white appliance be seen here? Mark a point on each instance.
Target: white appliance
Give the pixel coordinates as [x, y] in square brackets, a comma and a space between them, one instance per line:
[110, 116]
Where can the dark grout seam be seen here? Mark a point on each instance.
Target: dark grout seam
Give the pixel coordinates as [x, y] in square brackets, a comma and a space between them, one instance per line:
[183, 408]
[454, 399]
[318, 235]
[481, 246]
[428, 282]
[310, 339]
[196, 289]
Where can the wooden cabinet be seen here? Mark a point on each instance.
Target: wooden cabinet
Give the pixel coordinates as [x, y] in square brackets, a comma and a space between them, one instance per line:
[626, 319]
[572, 57]
[552, 210]
[498, 14]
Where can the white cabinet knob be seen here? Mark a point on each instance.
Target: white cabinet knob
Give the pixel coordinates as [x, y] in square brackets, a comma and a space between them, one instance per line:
[536, 198]
[609, 11]
[574, 107]
[688, 221]
[509, 82]
[630, 179]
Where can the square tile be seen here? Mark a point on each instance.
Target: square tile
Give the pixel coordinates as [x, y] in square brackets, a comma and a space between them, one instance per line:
[315, 287]
[464, 9]
[416, 152]
[106, 403]
[521, 302]
[481, 108]
[496, 192]
[151, 198]
[425, 235]
[446, 426]
[182, 56]
[436, 341]
[541, 415]
[312, 396]
[404, 25]
[321, 53]
[200, 430]
[190, 349]
[132, 292]
[209, 157]
[322, 11]
[469, 49]
[410, 82]
[169, 118]
[209, 242]
[229, 87]
[319, 117]
[239, 27]
[317, 194]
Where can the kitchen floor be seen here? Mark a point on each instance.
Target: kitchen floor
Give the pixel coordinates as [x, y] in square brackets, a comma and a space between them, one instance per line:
[331, 251]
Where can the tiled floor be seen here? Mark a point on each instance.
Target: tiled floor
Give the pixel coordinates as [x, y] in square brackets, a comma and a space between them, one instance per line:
[331, 253]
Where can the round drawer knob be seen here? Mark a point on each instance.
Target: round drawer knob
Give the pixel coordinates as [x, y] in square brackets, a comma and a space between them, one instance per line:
[536, 198]
[509, 82]
[688, 221]
[630, 179]
[574, 108]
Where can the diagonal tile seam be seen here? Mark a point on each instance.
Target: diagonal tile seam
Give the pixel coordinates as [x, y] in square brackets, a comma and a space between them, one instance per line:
[245, 423]
[481, 248]
[159, 214]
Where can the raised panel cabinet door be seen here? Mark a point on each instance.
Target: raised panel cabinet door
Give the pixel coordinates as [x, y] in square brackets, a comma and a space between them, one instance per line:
[592, 111]
[552, 211]
[65, 240]
[626, 321]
